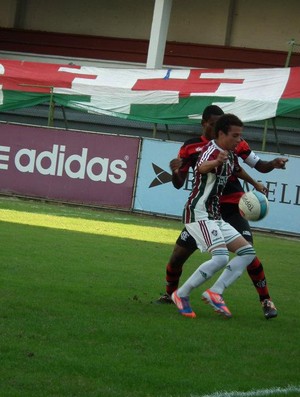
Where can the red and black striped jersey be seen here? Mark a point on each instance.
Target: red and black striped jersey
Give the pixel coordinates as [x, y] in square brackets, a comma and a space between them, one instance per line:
[189, 152]
[234, 190]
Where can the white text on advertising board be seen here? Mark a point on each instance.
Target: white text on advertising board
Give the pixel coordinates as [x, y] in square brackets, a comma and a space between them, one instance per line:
[57, 163]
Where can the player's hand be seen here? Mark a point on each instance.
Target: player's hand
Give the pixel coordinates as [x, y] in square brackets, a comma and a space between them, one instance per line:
[222, 157]
[260, 187]
[175, 164]
[279, 162]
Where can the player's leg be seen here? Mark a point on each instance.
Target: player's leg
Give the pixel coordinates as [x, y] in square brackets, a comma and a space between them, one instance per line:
[244, 255]
[208, 238]
[219, 259]
[231, 214]
[183, 249]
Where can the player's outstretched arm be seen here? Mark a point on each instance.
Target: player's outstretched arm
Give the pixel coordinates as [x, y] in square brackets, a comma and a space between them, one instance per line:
[267, 166]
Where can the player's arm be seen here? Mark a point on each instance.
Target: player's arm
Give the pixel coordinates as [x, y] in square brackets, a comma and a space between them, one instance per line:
[207, 166]
[242, 174]
[244, 151]
[267, 166]
[178, 176]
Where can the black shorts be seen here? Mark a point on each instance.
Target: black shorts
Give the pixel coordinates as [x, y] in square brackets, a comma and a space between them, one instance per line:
[231, 214]
[185, 240]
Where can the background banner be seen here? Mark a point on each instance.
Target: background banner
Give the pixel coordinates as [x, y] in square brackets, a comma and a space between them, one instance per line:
[70, 166]
[101, 170]
[155, 192]
[172, 96]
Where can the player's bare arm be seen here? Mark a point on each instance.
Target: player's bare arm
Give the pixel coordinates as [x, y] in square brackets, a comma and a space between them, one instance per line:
[208, 166]
[242, 174]
[267, 166]
[178, 176]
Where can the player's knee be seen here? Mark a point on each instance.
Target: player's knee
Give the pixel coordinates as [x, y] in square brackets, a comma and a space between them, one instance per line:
[220, 257]
[217, 262]
[246, 251]
[179, 256]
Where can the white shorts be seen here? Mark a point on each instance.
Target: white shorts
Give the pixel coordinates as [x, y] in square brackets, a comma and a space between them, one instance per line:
[209, 234]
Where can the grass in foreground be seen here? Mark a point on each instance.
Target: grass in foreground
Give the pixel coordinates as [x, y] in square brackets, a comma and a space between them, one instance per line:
[77, 320]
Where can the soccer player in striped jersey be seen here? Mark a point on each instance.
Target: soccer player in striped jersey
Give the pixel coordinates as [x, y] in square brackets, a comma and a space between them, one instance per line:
[185, 244]
[202, 218]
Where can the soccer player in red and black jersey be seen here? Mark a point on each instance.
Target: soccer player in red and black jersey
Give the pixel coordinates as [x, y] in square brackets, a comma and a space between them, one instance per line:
[185, 244]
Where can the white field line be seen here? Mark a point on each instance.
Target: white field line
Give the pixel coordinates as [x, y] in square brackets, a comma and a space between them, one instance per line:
[254, 393]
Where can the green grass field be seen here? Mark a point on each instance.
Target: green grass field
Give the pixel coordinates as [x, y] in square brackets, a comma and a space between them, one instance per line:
[76, 315]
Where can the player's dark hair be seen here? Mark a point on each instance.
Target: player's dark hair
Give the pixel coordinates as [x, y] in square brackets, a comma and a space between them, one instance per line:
[211, 110]
[225, 122]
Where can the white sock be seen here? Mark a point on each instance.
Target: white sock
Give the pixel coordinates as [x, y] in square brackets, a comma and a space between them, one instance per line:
[205, 271]
[234, 269]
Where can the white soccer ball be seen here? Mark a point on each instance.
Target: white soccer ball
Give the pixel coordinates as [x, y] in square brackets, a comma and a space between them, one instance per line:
[253, 206]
